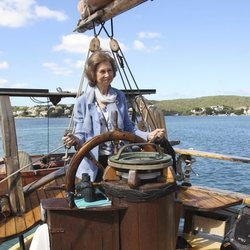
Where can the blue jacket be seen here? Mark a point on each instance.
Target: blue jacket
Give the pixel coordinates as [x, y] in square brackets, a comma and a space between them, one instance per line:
[87, 124]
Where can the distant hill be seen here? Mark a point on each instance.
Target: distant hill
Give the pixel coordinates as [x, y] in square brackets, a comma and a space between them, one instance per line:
[183, 106]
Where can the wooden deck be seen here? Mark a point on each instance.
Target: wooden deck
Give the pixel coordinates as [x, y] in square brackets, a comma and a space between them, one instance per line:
[14, 226]
[204, 199]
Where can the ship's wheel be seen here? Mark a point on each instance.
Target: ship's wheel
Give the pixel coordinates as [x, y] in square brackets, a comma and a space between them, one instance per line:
[115, 136]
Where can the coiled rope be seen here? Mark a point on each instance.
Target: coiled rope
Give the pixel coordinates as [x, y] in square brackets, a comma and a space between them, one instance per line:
[135, 195]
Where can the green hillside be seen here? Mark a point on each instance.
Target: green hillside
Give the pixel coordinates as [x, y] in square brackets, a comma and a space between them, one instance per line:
[183, 106]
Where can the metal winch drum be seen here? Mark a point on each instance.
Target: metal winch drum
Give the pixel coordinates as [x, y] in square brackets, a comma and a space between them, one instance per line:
[140, 167]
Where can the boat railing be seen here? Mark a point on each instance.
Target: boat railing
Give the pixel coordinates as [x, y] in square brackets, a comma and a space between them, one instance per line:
[186, 156]
[191, 152]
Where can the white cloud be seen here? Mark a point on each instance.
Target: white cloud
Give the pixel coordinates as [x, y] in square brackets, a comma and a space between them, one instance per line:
[18, 13]
[2, 82]
[57, 70]
[4, 65]
[79, 64]
[76, 65]
[19, 85]
[79, 43]
[148, 35]
[45, 12]
[157, 47]
[74, 43]
[139, 45]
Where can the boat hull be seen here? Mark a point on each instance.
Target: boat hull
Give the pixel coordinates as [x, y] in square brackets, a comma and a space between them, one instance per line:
[14, 226]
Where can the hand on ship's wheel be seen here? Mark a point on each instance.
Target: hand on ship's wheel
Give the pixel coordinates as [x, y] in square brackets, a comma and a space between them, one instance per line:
[87, 147]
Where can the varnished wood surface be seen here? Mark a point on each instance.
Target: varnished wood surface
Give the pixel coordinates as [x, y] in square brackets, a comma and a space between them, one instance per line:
[204, 199]
[148, 225]
[27, 178]
[82, 228]
[204, 154]
[13, 226]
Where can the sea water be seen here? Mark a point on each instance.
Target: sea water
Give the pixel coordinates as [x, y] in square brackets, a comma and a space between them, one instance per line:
[228, 135]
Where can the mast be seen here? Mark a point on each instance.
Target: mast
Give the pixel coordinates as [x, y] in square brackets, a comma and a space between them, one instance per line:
[11, 159]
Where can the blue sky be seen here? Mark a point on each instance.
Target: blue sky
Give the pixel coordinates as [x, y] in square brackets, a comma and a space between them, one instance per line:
[182, 48]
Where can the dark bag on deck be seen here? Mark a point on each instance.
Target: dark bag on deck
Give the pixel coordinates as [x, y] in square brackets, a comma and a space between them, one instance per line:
[238, 237]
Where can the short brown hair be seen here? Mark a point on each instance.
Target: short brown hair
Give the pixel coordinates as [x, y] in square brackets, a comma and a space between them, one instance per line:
[92, 63]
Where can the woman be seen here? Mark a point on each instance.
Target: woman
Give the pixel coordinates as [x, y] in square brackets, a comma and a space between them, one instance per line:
[94, 111]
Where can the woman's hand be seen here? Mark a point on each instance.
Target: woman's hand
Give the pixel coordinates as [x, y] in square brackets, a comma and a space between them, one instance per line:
[157, 134]
[71, 140]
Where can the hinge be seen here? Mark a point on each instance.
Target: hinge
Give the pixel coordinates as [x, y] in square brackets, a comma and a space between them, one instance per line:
[56, 230]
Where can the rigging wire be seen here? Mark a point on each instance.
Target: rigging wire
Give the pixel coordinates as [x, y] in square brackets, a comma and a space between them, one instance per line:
[48, 125]
[33, 99]
[120, 60]
[94, 45]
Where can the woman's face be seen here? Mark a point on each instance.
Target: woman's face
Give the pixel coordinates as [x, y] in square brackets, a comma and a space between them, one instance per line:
[104, 75]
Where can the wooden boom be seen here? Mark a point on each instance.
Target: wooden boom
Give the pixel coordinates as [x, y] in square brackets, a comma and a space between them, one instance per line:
[113, 9]
[212, 155]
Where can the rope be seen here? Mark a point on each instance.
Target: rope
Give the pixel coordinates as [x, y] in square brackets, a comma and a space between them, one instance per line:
[70, 128]
[134, 195]
[120, 60]
[33, 99]
[79, 92]
[48, 106]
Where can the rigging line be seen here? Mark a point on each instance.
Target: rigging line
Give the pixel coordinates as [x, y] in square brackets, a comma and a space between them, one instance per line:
[105, 30]
[79, 92]
[33, 99]
[121, 75]
[71, 128]
[150, 115]
[120, 59]
[123, 81]
[112, 27]
[94, 28]
[83, 70]
[19, 170]
[48, 124]
[118, 68]
[120, 63]
[129, 70]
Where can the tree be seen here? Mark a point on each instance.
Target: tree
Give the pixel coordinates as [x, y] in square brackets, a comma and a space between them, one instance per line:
[209, 111]
[239, 111]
